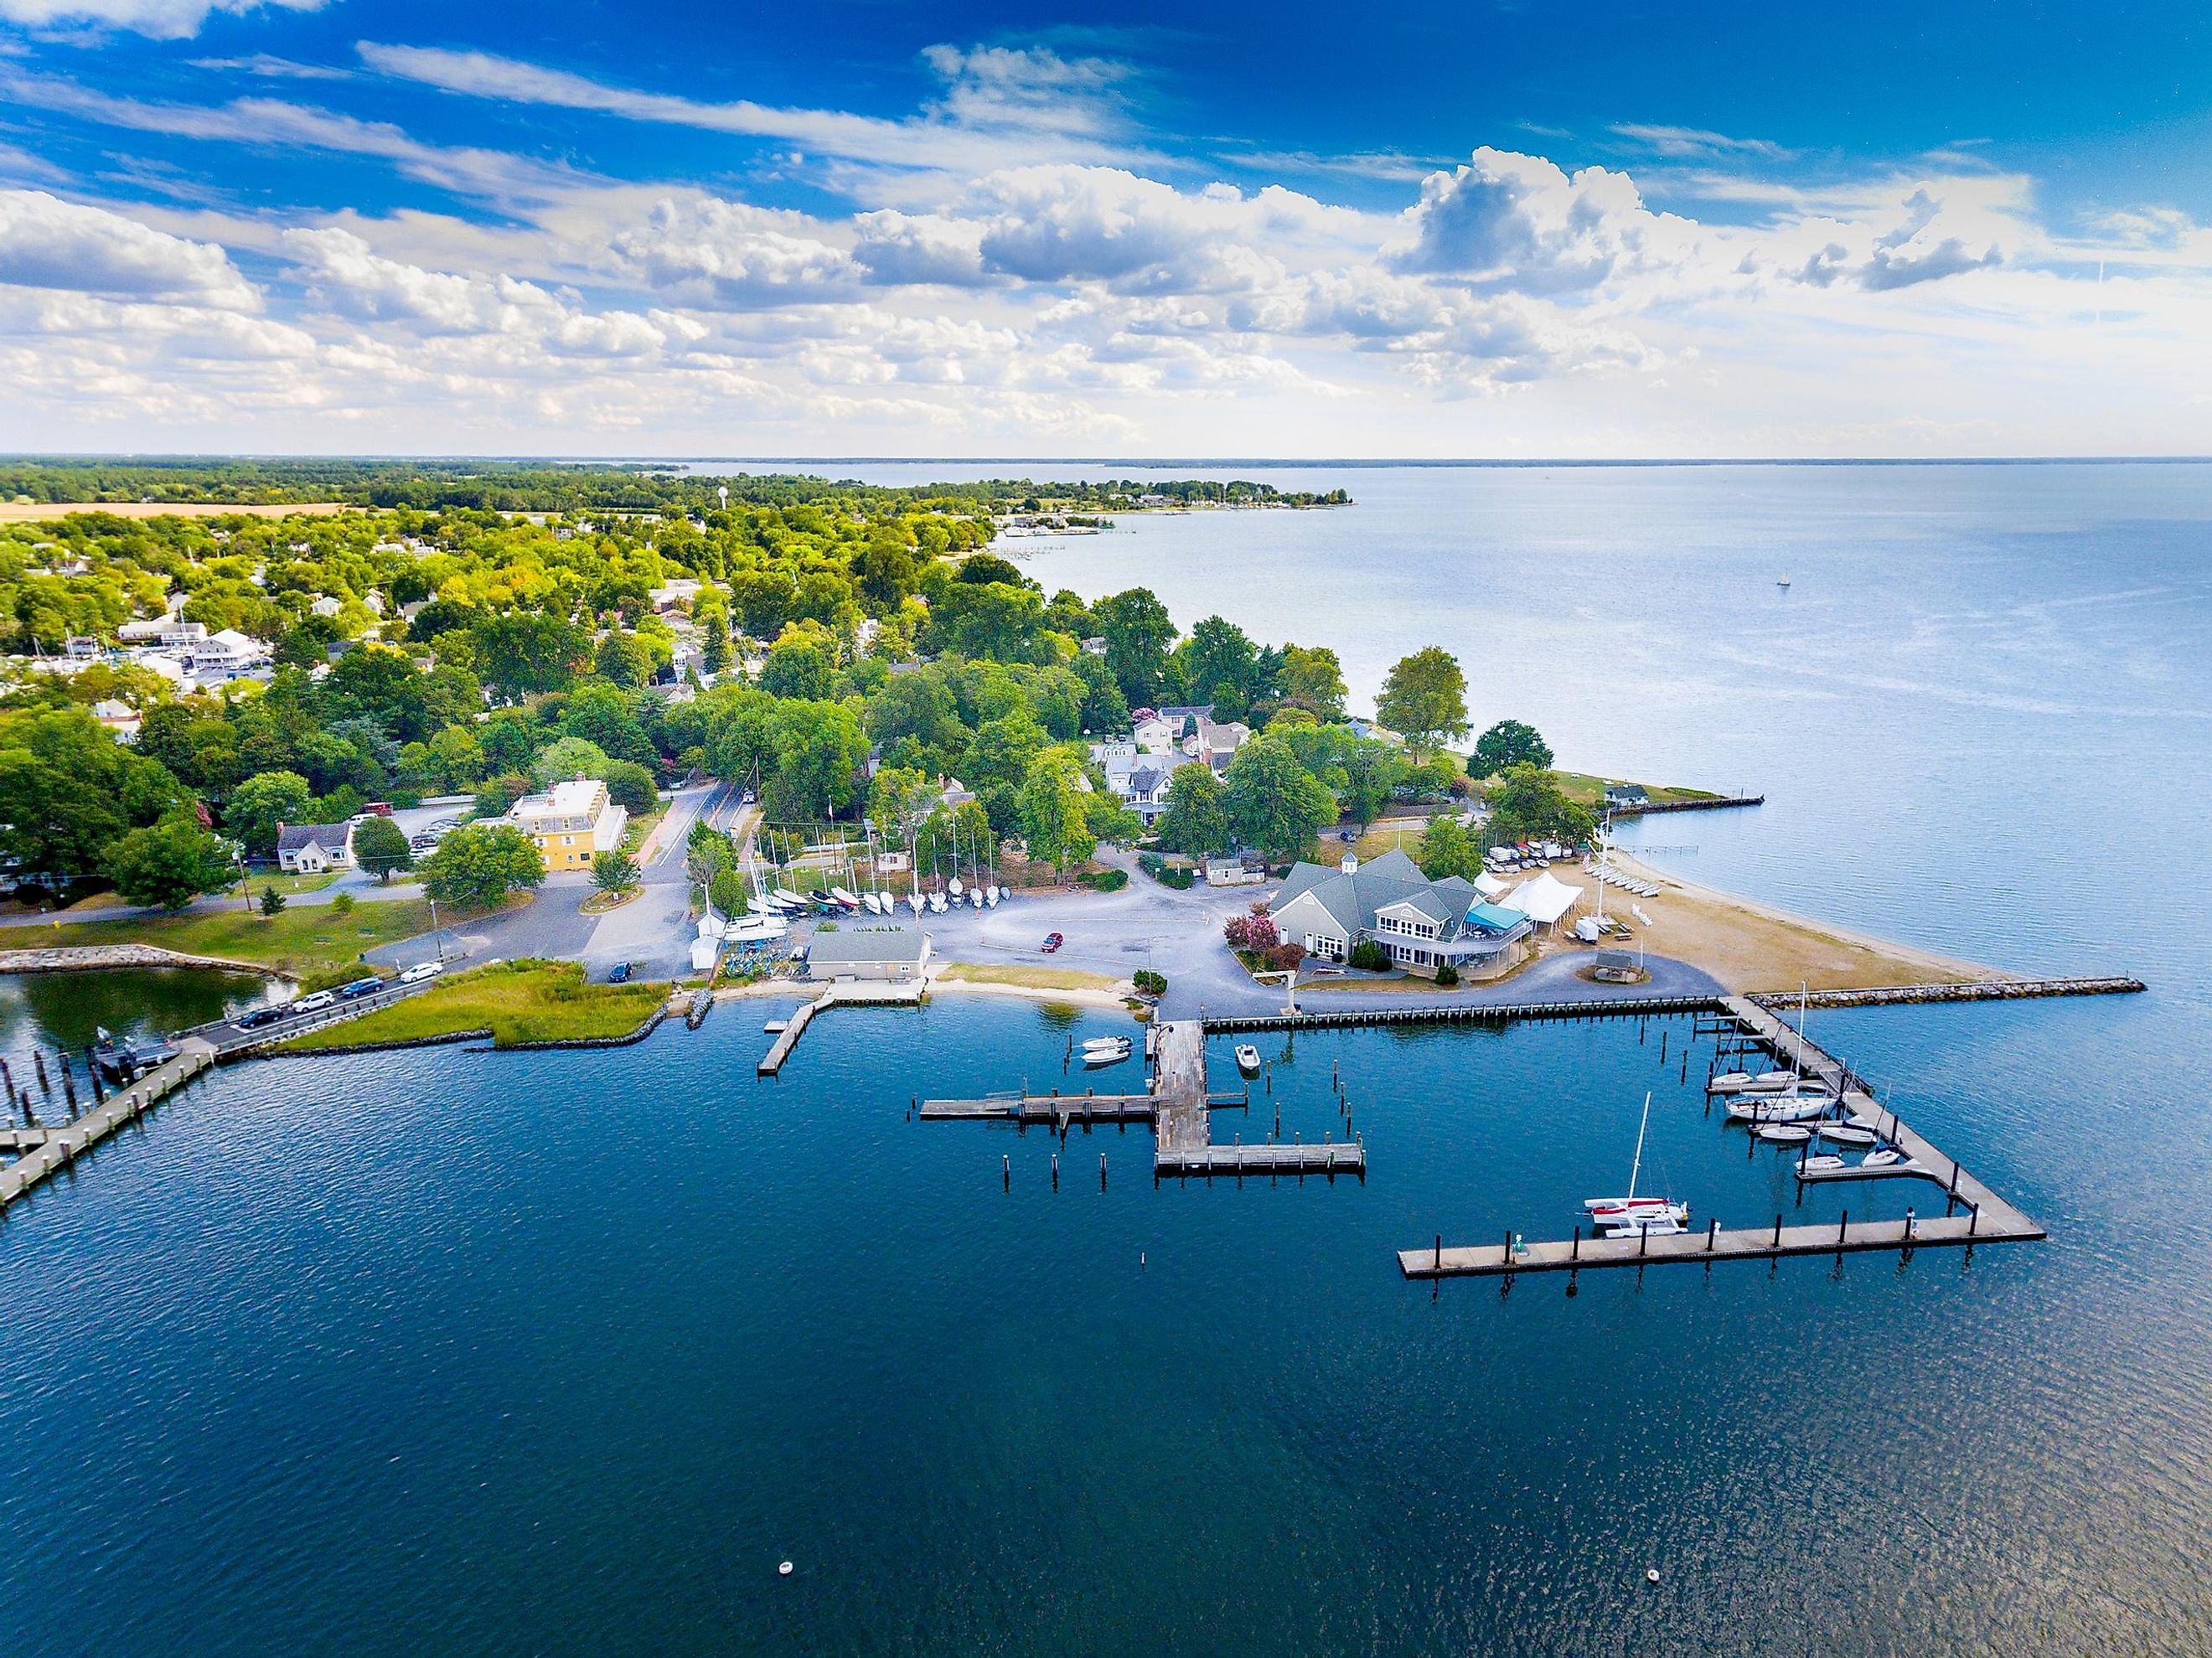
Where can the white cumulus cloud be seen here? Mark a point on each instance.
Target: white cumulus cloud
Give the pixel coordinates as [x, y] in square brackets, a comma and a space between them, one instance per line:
[46, 242]
[164, 20]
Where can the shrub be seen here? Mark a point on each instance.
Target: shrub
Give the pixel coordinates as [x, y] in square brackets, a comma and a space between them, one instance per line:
[1253, 933]
[1447, 975]
[1286, 956]
[1105, 880]
[1152, 983]
[1174, 876]
[1370, 956]
[272, 902]
[343, 904]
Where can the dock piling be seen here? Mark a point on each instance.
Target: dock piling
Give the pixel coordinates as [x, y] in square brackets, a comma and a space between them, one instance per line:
[1712, 1232]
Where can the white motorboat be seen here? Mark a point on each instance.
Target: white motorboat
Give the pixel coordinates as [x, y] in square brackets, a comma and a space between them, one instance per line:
[1729, 1082]
[1884, 1157]
[1784, 1133]
[1101, 1056]
[1619, 1216]
[1819, 1163]
[1846, 1134]
[1106, 1041]
[1247, 1059]
[1780, 1108]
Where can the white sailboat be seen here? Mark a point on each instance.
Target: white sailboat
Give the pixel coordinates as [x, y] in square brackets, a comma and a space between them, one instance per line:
[1617, 1217]
[1779, 1108]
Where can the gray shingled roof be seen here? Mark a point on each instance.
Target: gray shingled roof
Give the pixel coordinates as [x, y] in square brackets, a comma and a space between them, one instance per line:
[867, 943]
[330, 837]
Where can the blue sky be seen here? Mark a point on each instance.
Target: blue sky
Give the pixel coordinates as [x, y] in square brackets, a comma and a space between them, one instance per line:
[1510, 230]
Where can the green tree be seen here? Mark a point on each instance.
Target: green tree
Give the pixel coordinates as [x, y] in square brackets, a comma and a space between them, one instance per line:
[67, 789]
[1003, 751]
[1217, 653]
[1527, 803]
[1272, 801]
[1448, 847]
[1372, 769]
[1313, 679]
[799, 668]
[569, 756]
[614, 871]
[258, 804]
[630, 786]
[1054, 811]
[1507, 743]
[624, 659]
[1138, 631]
[819, 749]
[526, 652]
[379, 848]
[1196, 822]
[1424, 699]
[272, 902]
[170, 863]
[479, 864]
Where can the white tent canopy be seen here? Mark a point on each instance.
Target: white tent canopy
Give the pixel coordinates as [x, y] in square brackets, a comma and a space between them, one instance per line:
[1490, 886]
[1544, 900]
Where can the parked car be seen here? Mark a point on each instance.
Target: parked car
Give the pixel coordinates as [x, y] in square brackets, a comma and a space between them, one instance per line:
[314, 1004]
[1053, 941]
[620, 974]
[368, 986]
[262, 1016]
[421, 970]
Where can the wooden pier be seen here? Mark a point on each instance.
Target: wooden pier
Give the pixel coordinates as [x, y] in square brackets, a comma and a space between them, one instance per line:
[846, 992]
[1606, 1007]
[58, 1145]
[1987, 1217]
[1179, 1109]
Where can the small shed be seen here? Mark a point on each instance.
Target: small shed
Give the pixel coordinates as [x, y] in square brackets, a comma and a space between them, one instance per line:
[1616, 966]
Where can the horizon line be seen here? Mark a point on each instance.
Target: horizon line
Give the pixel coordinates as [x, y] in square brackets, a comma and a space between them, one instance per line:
[58, 457]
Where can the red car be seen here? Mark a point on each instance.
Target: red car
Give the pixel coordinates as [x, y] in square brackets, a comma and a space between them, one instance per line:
[1053, 941]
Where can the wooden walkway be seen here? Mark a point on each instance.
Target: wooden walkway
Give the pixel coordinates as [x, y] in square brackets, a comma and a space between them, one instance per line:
[851, 993]
[1988, 1217]
[60, 1145]
[1610, 1007]
[1331, 1158]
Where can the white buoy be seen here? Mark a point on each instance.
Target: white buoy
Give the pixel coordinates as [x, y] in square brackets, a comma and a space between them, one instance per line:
[1651, 1573]
[784, 1570]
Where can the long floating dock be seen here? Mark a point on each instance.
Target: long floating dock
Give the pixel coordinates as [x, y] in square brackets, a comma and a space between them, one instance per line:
[1061, 1110]
[1224, 1162]
[1989, 1218]
[60, 1145]
[1757, 1243]
[1611, 1007]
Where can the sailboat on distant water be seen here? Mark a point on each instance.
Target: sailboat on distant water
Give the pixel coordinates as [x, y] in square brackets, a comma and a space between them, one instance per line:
[1621, 1216]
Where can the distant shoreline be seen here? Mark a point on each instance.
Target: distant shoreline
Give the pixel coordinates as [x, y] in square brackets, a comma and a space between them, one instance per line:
[1167, 464]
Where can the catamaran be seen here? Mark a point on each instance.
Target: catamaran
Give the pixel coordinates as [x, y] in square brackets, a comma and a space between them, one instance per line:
[1618, 1216]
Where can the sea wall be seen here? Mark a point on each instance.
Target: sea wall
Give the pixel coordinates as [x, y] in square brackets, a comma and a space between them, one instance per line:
[77, 958]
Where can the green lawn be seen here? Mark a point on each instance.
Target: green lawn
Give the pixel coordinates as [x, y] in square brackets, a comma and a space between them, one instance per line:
[310, 942]
[516, 1001]
[1586, 791]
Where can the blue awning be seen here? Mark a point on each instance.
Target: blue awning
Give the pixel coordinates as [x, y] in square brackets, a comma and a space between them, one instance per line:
[1495, 918]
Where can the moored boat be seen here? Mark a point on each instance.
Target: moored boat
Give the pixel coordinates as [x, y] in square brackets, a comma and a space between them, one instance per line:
[1247, 1059]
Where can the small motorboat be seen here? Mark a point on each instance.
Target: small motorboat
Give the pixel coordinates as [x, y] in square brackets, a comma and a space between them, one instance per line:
[1096, 1056]
[1105, 1041]
[1819, 1163]
[1729, 1082]
[1784, 1133]
[1884, 1157]
[1247, 1059]
[1846, 1134]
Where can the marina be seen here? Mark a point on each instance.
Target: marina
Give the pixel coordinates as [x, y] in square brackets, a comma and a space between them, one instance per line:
[1973, 1213]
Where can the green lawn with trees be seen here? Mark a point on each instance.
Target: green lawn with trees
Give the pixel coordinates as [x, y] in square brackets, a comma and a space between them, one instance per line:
[516, 1001]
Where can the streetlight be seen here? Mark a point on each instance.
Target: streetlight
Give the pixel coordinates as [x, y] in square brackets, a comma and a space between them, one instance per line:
[437, 940]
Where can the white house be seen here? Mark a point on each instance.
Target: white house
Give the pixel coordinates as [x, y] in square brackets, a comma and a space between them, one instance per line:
[311, 848]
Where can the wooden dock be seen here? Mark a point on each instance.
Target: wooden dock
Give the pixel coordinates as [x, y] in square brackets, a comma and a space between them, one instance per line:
[1605, 1007]
[1179, 1109]
[1988, 1217]
[846, 992]
[58, 1145]
[1756, 1243]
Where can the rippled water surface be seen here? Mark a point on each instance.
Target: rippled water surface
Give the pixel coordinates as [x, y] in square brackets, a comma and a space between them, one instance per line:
[458, 1352]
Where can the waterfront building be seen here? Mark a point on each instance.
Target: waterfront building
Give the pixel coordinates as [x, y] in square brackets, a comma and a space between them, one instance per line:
[899, 955]
[570, 822]
[1422, 924]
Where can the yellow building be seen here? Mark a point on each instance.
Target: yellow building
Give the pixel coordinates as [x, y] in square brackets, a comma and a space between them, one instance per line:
[570, 822]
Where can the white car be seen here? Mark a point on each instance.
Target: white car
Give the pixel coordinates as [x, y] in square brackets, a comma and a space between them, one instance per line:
[314, 1004]
[421, 970]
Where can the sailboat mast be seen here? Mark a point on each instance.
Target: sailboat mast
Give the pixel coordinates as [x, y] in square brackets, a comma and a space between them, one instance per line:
[1637, 1167]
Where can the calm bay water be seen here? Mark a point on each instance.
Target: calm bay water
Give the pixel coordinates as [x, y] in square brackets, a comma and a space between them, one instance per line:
[448, 1351]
